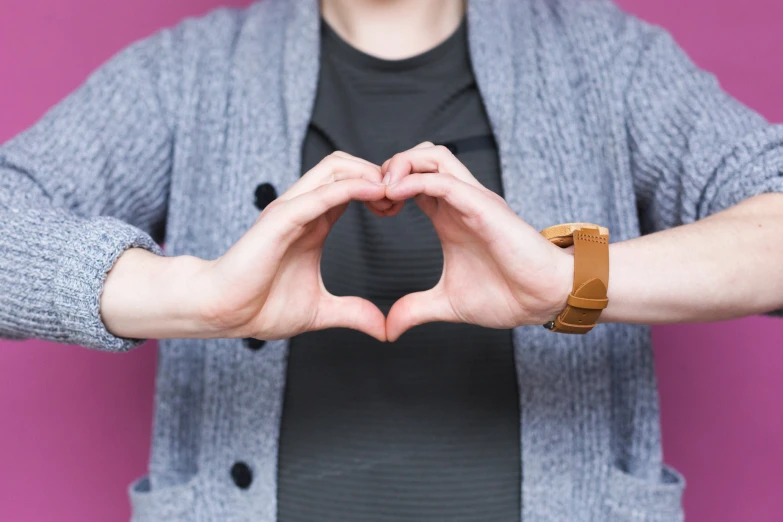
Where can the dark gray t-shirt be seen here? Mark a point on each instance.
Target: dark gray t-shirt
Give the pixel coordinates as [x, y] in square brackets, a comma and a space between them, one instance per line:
[426, 428]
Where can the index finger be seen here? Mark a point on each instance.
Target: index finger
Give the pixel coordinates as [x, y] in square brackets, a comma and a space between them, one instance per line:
[335, 167]
[457, 193]
[308, 206]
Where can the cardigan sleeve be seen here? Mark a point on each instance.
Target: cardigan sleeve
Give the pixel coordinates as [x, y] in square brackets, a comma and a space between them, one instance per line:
[85, 183]
[694, 149]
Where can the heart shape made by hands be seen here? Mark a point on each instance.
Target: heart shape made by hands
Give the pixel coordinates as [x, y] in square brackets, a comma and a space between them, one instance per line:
[499, 272]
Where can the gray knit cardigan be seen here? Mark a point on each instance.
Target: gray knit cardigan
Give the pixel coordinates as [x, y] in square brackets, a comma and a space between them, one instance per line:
[599, 117]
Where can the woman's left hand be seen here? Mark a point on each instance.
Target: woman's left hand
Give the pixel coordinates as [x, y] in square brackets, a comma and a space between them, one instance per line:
[498, 271]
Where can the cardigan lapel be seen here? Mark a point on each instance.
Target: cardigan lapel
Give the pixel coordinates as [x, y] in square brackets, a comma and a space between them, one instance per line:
[301, 63]
[489, 41]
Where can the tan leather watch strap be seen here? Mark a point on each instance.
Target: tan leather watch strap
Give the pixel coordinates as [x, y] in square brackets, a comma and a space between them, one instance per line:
[591, 275]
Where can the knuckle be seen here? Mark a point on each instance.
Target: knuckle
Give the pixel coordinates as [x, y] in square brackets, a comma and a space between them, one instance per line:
[334, 157]
[341, 156]
[443, 150]
[272, 210]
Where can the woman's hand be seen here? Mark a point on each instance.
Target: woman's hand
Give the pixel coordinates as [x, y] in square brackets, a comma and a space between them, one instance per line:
[498, 271]
[268, 285]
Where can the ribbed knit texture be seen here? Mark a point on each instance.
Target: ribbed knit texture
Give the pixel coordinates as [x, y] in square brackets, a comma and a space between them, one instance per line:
[599, 117]
[79, 188]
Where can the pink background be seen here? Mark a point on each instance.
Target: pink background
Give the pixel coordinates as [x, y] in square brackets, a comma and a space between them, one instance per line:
[75, 424]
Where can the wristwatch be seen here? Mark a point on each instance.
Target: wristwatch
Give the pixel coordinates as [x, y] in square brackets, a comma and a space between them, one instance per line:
[591, 275]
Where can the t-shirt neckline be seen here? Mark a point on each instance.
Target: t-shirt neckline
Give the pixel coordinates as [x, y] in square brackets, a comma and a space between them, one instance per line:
[341, 49]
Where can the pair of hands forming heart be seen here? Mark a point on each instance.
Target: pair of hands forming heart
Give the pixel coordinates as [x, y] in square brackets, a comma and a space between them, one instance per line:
[498, 271]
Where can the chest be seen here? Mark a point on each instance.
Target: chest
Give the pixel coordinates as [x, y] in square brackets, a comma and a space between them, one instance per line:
[561, 153]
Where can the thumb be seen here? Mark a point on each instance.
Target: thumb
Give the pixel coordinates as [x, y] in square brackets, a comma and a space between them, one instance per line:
[350, 312]
[418, 308]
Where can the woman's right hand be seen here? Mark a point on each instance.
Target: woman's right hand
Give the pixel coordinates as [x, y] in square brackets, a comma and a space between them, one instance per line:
[267, 285]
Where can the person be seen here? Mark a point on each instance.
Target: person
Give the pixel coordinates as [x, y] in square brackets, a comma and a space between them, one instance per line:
[332, 350]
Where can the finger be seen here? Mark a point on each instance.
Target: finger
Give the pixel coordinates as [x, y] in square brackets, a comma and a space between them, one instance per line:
[333, 214]
[283, 222]
[350, 312]
[352, 157]
[395, 209]
[385, 166]
[382, 205]
[466, 198]
[415, 309]
[377, 207]
[375, 211]
[333, 168]
[422, 145]
[385, 208]
[427, 204]
[427, 159]
[306, 207]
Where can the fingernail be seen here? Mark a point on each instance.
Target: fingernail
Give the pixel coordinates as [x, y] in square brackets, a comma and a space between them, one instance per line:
[386, 179]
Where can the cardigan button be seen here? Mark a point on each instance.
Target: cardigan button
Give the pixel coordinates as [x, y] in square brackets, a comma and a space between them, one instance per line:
[265, 194]
[241, 475]
[254, 344]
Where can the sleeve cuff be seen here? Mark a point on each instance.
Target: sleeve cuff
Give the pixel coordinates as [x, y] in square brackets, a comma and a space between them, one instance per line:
[755, 168]
[93, 248]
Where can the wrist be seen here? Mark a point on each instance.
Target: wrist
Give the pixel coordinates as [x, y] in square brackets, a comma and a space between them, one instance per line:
[146, 296]
[564, 283]
[588, 297]
[183, 283]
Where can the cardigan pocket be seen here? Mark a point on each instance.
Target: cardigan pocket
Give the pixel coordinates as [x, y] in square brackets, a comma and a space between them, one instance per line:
[634, 499]
[172, 504]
